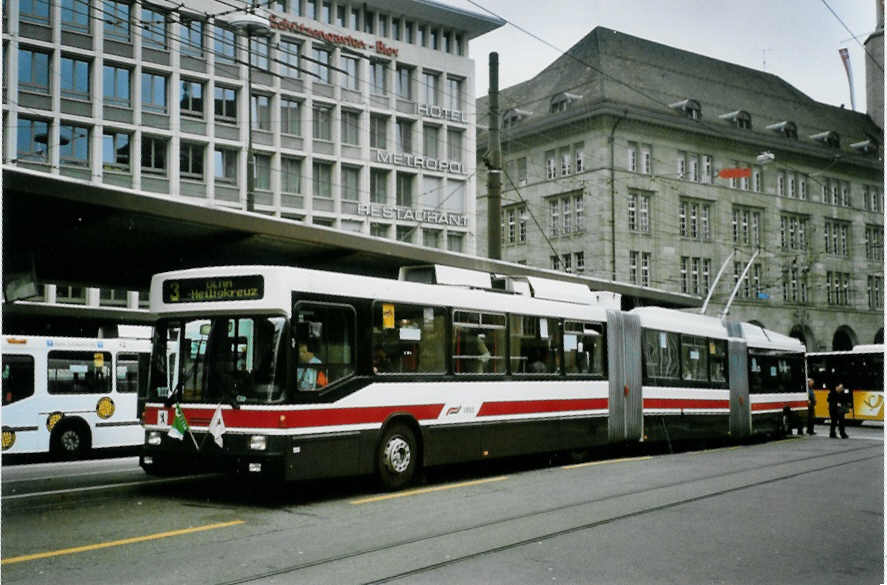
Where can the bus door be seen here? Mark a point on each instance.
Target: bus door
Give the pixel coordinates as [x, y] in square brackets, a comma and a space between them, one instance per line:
[20, 424]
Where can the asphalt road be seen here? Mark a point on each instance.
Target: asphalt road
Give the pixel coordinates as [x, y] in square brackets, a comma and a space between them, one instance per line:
[803, 510]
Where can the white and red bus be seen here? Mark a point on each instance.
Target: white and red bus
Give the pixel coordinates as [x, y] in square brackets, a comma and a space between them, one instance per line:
[68, 395]
[320, 374]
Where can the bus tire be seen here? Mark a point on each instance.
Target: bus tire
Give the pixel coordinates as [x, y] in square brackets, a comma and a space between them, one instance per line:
[397, 457]
[70, 440]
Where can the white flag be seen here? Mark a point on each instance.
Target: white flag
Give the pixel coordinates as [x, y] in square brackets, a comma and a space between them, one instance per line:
[217, 426]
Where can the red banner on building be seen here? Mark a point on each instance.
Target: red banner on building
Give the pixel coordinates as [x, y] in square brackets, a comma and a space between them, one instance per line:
[734, 173]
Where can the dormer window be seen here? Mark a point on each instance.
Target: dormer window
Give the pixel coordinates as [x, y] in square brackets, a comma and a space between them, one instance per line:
[689, 107]
[787, 129]
[513, 116]
[739, 118]
[563, 101]
[867, 146]
[829, 138]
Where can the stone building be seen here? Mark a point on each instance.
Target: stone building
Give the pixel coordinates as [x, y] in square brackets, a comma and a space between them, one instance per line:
[642, 163]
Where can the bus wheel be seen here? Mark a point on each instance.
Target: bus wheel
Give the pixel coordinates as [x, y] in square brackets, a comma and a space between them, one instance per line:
[397, 457]
[70, 441]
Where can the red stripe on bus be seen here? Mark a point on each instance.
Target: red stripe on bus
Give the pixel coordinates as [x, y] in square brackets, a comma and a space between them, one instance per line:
[540, 406]
[321, 417]
[778, 405]
[654, 403]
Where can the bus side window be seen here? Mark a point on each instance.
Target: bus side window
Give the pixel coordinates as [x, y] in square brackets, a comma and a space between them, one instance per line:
[323, 340]
[18, 377]
[79, 372]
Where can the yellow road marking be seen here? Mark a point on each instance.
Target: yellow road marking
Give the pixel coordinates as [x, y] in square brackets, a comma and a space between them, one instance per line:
[606, 461]
[101, 545]
[704, 451]
[426, 490]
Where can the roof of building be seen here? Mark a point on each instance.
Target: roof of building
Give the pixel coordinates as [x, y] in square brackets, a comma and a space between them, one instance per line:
[608, 66]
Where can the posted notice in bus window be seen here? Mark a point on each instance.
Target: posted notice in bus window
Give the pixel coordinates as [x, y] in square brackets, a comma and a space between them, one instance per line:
[387, 316]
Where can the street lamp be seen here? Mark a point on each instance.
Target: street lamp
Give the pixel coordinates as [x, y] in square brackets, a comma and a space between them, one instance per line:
[253, 25]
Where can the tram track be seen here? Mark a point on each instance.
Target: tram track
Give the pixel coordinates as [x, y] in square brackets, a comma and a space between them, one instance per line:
[501, 523]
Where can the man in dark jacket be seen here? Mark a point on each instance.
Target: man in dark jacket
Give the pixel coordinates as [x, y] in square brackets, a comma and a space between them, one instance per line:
[811, 406]
[838, 400]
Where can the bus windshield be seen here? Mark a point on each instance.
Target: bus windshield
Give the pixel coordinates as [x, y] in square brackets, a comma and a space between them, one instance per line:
[233, 360]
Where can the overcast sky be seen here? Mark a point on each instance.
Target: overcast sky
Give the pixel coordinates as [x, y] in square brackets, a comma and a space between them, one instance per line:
[798, 39]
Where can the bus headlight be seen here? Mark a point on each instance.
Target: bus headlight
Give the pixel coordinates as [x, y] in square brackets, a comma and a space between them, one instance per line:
[154, 438]
[258, 442]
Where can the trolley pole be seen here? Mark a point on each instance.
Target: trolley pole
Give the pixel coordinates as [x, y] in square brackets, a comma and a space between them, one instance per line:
[494, 164]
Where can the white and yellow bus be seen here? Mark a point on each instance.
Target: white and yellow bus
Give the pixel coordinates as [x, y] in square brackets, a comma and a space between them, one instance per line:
[860, 370]
[68, 395]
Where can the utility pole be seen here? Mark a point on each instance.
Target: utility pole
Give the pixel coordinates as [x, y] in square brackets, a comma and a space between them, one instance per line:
[494, 165]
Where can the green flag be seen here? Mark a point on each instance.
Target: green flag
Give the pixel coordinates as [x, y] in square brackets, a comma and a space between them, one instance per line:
[179, 425]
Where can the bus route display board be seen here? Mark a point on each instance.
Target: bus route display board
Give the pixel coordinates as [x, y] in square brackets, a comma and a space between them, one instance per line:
[204, 290]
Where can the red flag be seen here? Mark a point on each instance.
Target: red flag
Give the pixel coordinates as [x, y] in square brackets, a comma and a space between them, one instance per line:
[734, 173]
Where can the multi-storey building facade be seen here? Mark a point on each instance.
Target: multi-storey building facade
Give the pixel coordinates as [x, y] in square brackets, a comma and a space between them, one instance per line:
[646, 164]
[361, 113]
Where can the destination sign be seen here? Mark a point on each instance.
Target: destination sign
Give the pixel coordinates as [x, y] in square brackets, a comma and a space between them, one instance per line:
[206, 290]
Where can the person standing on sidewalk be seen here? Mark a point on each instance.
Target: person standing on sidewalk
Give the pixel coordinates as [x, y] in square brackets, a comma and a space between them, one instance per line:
[837, 406]
[811, 406]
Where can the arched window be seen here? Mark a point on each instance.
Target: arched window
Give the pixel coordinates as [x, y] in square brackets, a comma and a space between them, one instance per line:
[787, 128]
[739, 118]
[829, 138]
[689, 107]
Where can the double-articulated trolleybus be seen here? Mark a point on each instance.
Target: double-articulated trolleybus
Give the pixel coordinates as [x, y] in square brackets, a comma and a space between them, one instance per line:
[66, 395]
[860, 370]
[320, 374]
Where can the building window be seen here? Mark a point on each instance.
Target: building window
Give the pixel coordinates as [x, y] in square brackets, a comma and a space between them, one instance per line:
[638, 211]
[578, 158]
[793, 232]
[116, 18]
[695, 219]
[430, 83]
[454, 94]
[380, 230]
[379, 186]
[323, 179]
[379, 77]
[695, 275]
[321, 65]
[225, 45]
[378, 131]
[191, 103]
[836, 235]
[405, 189]
[404, 135]
[116, 87]
[404, 233]
[226, 104]
[259, 53]
[431, 238]
[153, 26]
[261, 112]
[455, 242]
[874, 198]
[33, 71]
[403, 85]
[874, 291]
[115, 150]
[555, 262]
[74, 145]
[226, 165]
[350, 127]
[550, 164]
[322, 123]
[522, 171]
[633, 157]
[746, 226]
[291, 175]
[350, 183]
[430, 138]
[454, 145]
[874, 243]
[75, 78]
[154, 92]
[564, 160]
[794, 284]
[192, 36]
[639, 267]
[33, 140]
[154, 154]
[75, 15]
[835, 192]
[290, 117]
[191, 160]
[349, 79]
[565, 213]
[263, 172]
[288, 54]
[837, 288]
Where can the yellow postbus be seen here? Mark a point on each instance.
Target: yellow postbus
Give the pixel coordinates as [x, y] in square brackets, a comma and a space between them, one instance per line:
[861, 370]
